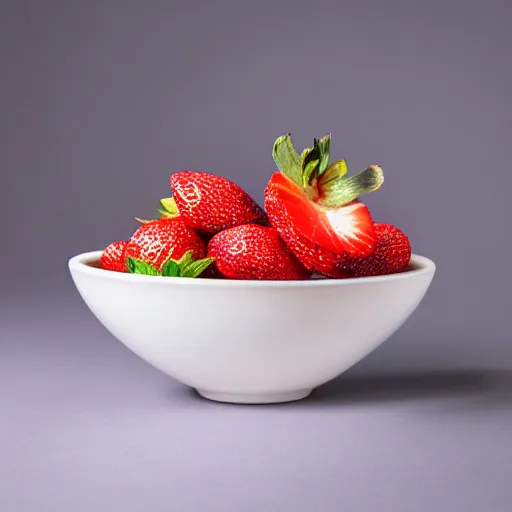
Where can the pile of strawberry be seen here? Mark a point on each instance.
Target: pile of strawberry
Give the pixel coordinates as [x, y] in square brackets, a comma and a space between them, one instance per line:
[313, 223]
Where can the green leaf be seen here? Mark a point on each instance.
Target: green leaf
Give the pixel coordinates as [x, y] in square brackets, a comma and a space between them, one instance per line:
[343, 190]
[310, 159]
[136, 266]
[187, 258]
[311, 168]
[169, 204]
[196, 268]
[333, 172]
[324, 146]
[169, 207]
[315, 160]
[287, 159]
[171, 268]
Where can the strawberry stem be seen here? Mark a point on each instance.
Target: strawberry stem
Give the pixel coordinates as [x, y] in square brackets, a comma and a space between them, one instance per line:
[142, 221]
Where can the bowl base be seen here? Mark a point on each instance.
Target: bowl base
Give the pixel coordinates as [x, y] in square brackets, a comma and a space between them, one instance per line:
[255, 398]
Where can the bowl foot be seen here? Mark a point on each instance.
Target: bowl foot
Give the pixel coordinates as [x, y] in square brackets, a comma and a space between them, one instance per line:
[255, 398]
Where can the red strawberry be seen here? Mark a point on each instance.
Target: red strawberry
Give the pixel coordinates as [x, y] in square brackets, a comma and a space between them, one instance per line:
[211, 203]
[113, 257]
[392, 254]
[157, 241]
[315, 207]
[254, 252]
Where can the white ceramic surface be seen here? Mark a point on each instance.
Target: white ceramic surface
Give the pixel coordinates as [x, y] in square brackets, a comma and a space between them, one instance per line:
[251, 341]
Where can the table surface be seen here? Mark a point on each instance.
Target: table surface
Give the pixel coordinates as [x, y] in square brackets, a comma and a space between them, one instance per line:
[87, 426]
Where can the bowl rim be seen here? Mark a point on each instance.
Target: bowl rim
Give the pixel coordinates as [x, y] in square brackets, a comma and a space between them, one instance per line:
[81, 263]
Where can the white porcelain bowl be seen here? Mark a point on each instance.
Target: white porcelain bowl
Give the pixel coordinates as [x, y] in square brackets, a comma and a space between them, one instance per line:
[251, 341]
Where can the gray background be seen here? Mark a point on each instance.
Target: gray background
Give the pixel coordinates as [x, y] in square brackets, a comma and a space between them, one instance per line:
[101, 101]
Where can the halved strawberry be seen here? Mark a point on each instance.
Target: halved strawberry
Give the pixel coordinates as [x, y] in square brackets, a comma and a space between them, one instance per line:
[113, 257]
[210, 203]
[256, 252]
[315, 207]
[392, 254]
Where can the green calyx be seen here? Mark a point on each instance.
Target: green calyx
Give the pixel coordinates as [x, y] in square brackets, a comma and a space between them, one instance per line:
[186, 266]
[327, 185]
[340, 191]
[314, 161]
[287, 159]
[169, 208]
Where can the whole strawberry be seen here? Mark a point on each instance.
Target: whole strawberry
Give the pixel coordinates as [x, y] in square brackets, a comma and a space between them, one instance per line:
[256, 252]
[113, 257]
[392, 254]
[210, 203]
[157, 241]
[315, 207]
